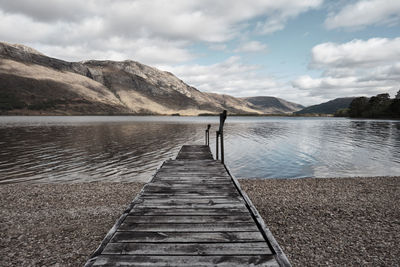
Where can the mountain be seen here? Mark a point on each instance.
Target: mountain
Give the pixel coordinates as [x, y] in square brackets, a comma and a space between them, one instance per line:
[329, 107]
[32, 83]
[273, 105]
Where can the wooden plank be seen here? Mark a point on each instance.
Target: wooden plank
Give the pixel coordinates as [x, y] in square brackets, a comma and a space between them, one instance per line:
[192, 213]
[165, 185]
[187, 211]
[188, 205]
[193, 179]
[280, 255]
[186, 183]
[132, 260]
[192, 195]
[130, 225]
[183, 237]
[188, 201]
[189, 189]
[191, 218]
[194, 249]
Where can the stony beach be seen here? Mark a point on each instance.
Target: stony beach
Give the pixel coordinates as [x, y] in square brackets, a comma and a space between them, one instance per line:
[329, 222]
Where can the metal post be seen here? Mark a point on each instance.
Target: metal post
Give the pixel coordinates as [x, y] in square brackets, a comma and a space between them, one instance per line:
[216, 151]
[222, 147]
[222, 118]
[206, 137]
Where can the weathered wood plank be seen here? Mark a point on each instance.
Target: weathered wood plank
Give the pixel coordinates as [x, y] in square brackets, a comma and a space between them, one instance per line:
[188, 201]
[187, 211]
[188, 189]
[192, 213]
[183, 237]
[185, 184]
[129, 225]
[191, 218]
[194, 249]
[187, 205]
[178, 196]
[125, 260]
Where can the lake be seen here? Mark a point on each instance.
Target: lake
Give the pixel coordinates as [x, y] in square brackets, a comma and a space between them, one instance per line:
[130, 148]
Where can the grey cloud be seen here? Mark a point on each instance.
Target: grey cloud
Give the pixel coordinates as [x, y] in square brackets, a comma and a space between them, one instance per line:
[49, 11]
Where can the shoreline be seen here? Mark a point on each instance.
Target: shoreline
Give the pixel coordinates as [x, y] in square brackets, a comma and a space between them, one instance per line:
[316, 221]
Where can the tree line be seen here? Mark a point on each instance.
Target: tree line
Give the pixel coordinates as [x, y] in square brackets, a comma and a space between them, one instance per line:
[379, 106]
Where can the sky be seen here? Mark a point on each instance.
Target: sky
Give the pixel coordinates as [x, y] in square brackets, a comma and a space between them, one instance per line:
[305, 51]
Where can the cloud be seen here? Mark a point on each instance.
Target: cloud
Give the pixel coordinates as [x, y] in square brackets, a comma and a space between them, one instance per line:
[92, 24]
[357, 53]
[354, 68]
[158, 33]
[218, 47]
[50, 11]
[364, 13]
[279, 12]
[234, 78]
[252, 46]
[148, 51]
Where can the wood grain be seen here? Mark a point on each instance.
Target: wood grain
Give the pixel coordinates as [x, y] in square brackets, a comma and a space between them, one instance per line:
[190, 214]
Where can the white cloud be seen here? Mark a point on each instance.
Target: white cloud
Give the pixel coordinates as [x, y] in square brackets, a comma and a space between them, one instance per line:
[147, 51]
[357, 53]
[159, 33]
[355, 68]
[235, 78]
[78, 25]
[252, 46]
[364, 13]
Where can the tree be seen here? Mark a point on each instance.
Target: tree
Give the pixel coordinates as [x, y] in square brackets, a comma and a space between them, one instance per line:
[394, 108]
[378, 106]
[342, 112]
[358, 106]
[398, 95]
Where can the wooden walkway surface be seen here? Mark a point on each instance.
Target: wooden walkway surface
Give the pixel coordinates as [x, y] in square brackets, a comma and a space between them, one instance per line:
[192, 213]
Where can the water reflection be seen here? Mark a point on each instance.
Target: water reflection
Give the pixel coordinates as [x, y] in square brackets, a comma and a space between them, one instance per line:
[75, 149]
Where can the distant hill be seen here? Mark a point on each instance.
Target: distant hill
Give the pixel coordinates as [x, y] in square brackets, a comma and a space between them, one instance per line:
[32, 83]
[329, 107]
[273, 105]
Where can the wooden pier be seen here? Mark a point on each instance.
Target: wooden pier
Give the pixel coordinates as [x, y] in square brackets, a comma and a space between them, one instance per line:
[192, 213]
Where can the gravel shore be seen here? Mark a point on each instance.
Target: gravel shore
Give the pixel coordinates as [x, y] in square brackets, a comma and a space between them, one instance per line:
[58, 224]
[331, 222]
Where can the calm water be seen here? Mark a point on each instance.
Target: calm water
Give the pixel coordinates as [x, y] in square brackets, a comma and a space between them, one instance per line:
[84, 149]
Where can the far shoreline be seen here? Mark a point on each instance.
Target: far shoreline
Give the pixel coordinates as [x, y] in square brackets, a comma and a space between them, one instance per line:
[198, 115]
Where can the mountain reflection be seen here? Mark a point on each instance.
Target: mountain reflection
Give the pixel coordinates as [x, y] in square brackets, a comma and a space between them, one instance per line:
[86, 149]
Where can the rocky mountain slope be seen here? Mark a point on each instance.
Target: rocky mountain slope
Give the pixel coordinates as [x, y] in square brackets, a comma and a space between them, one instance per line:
[274, 105]
[32, 83]
[329, 107]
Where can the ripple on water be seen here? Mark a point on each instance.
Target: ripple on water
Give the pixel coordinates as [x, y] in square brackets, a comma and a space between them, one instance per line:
[76, 149]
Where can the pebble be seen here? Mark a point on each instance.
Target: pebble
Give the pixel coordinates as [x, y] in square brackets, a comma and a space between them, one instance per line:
[317, 222]
[332, 221]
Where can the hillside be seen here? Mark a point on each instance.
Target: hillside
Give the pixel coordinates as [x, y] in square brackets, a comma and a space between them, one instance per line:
[273, 105]
[32, 83]
[329, 107]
